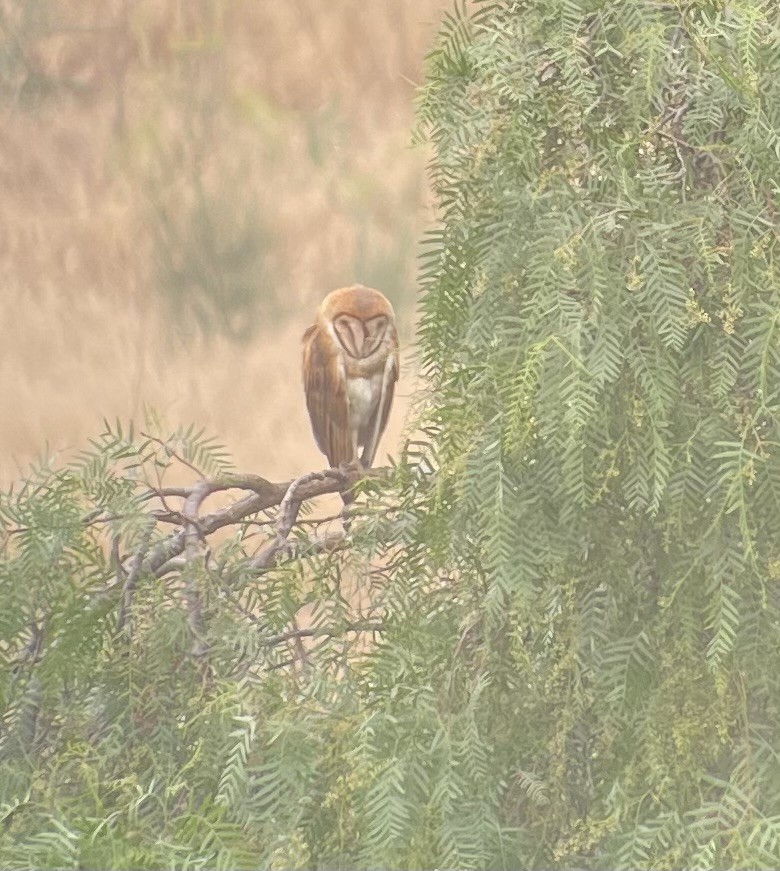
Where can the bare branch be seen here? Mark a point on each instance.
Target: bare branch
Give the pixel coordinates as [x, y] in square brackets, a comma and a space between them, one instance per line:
[128, 589]
[265, 495]
[182, 549]
[31, 651]
[163, 492]
[288, 512]
[322, 632]
[116, 560]
[192, 536]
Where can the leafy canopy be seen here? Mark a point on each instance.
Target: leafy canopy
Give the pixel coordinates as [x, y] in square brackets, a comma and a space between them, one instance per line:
[600, 333]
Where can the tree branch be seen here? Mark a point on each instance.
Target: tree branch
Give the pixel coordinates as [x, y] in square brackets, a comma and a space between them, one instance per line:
[128, 588]
[182, 549]
[288, 512]
[266, 495]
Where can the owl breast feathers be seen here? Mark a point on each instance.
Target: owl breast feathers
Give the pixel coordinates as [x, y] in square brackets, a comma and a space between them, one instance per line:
[350, 366]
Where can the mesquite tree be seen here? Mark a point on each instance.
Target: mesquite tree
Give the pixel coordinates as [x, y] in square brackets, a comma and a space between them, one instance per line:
[552, 637]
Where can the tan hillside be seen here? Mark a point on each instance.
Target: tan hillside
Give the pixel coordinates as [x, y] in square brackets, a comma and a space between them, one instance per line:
[181, 183]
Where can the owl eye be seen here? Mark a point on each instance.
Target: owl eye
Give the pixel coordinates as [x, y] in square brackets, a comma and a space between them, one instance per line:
[376, 326]
[375, 329]
[349, 332]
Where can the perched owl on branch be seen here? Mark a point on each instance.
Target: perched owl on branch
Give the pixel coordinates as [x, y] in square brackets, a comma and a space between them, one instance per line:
[350, 366]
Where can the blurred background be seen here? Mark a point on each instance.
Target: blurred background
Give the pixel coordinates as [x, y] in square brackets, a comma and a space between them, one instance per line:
[181, 182]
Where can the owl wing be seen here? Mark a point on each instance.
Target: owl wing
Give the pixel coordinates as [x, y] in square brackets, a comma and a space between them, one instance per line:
[389, 377]
[326, 397]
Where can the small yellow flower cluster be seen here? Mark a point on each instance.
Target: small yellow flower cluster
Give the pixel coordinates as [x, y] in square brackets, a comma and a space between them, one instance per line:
[694, 313]
[730, 313]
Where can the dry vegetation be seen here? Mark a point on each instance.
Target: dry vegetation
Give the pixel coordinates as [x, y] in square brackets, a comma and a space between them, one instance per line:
[181, 183]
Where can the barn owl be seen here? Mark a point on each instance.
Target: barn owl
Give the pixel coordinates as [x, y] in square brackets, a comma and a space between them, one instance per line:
[350, 366]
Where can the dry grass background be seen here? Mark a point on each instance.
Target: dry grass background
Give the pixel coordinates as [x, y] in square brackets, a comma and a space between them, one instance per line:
[181, 181]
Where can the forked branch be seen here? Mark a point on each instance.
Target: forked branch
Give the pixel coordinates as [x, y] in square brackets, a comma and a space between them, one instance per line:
[183, 546]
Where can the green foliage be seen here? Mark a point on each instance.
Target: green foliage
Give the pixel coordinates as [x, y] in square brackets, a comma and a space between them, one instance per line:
[575, 568]
[124, 744]
[599, 332]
